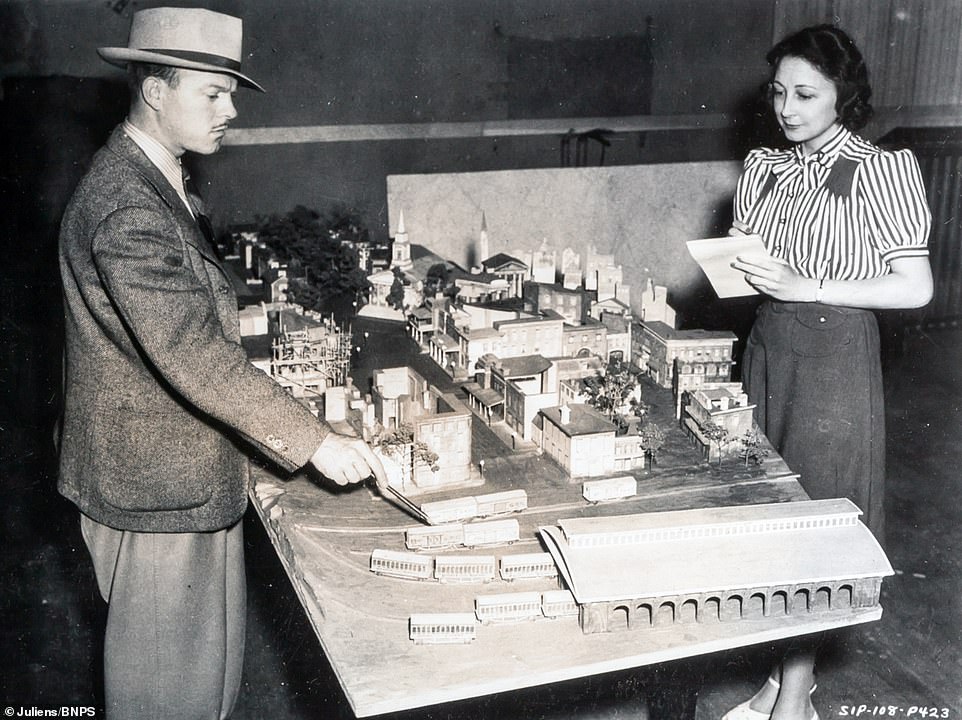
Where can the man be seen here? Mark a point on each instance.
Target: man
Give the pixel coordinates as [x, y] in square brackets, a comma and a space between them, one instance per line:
[160, 400]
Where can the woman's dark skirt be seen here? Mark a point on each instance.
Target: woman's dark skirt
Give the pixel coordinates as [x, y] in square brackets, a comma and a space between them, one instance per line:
[814, 373]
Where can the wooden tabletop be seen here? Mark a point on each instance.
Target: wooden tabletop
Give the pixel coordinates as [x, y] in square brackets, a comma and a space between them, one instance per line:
[324, 538]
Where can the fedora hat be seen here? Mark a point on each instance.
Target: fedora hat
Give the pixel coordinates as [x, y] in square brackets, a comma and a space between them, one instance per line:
[191, 38]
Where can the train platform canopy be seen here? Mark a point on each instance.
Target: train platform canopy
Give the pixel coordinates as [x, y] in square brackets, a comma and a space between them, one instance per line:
[750, 546]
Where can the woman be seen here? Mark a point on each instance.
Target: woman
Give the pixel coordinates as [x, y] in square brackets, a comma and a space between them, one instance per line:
[846, 226]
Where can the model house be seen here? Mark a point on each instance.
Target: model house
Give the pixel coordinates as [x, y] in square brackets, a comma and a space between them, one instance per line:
[464, 333]
[657, 345]
[438, 420]
[513, 390]
[654, 304]
[716, 415]
[587, 338]
[689, 375]
[510, 269]
[577, 437]
[570, 303]
[618, 335]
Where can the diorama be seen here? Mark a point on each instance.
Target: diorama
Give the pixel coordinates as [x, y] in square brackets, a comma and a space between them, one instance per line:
[541, 355]
[544, 345]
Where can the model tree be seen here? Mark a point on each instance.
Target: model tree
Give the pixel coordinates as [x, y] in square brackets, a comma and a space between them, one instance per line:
[652, 440]
[751, 450]
[321, 254]
[614, 392]
[437, 279]
[716, 436]
[395, 298]
[399, 443]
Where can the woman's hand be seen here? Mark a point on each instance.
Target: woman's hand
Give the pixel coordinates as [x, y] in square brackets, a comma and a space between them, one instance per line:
[907, 285]
[776, 278]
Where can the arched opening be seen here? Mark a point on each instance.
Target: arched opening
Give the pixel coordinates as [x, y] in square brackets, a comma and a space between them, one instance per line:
[843, 597]
[688, 612]
[666, 614]
[800, 601]
[823, 599]
[642, 616]
[711, 610]
[732, 609]
[756, 606]
[619, 619]
[778, 603]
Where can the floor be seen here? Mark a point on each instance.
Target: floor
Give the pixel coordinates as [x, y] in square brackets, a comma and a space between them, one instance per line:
[907, 665]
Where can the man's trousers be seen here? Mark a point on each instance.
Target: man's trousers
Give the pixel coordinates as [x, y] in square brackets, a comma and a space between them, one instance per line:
[174, 644]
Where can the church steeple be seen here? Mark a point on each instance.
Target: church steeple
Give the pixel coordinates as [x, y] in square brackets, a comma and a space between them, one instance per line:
[484, 252]
[401, 247]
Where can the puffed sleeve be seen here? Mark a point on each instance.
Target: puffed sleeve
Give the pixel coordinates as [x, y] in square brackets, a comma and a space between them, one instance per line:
[896, 212]
[751, 182]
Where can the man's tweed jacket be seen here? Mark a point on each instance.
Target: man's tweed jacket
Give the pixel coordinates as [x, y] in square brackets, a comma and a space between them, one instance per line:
[160, 400]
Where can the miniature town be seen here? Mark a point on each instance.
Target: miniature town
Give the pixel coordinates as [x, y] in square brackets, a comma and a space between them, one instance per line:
[553, 352]
[545, 352]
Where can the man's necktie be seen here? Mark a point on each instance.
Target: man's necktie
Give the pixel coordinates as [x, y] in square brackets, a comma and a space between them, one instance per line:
[193, 199]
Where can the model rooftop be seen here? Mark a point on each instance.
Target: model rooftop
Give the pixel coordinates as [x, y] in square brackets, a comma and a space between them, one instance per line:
[667, 332]
[802, 551]
[648, 527]
[580, 420]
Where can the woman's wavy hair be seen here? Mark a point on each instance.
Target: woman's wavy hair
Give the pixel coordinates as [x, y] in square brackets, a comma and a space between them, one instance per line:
[835, 55]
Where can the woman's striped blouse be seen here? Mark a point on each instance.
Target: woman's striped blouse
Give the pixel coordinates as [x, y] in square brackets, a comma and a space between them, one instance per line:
[842, 213]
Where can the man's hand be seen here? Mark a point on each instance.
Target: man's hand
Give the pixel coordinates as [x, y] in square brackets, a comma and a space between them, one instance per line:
[347, 460]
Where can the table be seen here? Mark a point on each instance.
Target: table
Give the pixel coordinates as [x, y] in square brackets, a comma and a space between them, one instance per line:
[325, 536]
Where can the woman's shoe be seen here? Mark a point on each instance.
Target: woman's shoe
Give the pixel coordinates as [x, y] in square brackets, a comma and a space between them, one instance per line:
[744, 711]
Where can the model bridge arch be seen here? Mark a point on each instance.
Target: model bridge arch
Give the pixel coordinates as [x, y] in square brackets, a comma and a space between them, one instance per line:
[730, 605]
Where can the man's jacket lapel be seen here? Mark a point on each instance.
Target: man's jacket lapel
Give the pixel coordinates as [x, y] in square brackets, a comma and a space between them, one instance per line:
[127, 149]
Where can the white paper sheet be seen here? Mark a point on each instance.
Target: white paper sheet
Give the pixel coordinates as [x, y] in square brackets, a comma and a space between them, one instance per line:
[715, 256]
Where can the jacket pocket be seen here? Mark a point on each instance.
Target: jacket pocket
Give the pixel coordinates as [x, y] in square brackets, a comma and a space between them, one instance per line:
[149, 462]
[820, 331]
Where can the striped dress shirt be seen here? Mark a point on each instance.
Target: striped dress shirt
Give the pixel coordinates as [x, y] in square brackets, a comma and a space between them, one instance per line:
[162, 158]
[842, 213]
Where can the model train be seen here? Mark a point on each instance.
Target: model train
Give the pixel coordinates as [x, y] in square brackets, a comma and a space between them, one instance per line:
[528, 565]
[508, 607]
[436, 537]
[452, 628]
[447, 568]
[616, 488]
[409, 566]
[558, 603]
[474, 506]
[462, 568]
[517, 607]
[465, 568]
[442, 628]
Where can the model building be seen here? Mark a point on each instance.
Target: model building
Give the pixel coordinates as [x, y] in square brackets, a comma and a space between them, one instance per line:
[745, 562]
[715, 416]
[437, 422]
